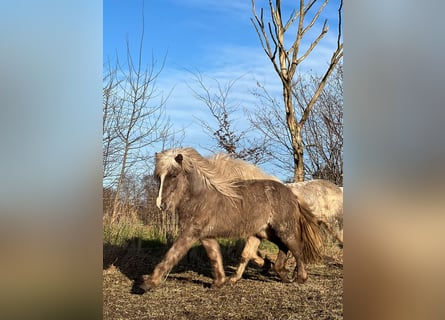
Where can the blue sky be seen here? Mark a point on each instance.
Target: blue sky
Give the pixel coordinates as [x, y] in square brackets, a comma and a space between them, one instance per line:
[213, 37]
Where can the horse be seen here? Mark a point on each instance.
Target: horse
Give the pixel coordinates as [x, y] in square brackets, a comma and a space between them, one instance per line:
[211, 205]
[324, 198]
[326, 201]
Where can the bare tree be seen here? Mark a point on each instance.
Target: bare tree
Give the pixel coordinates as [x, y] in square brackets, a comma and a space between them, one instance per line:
[286, 59]
[110, 140]
[228, 137]
[322, 133]
[133, 119]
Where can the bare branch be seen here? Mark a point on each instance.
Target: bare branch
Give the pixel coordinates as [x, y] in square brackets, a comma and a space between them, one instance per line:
[225, 133]
[313, 44]
[339, 23]
[337, 55]
[262, 34]
[315, 18]
[293, 17]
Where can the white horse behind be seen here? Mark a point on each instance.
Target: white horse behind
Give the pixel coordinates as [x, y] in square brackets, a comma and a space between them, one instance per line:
[326, 202]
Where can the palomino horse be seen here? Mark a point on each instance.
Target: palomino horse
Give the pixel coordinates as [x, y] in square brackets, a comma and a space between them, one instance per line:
[324, 198]
[210, 205]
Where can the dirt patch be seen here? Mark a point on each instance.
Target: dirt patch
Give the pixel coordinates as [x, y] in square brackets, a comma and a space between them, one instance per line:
[186, 293]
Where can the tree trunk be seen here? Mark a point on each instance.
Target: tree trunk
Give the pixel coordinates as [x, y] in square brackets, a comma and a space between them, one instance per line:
[295, 133]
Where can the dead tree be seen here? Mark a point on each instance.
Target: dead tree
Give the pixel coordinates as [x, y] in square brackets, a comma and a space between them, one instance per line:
[286, 58]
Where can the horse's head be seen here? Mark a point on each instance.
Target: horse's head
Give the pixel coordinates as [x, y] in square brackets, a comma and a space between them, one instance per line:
[173, 185]
[184, 173]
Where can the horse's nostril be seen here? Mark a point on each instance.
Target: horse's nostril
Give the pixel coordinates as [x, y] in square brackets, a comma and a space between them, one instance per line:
[163, 206]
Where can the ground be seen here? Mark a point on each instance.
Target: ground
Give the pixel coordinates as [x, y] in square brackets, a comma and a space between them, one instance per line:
[186, 293]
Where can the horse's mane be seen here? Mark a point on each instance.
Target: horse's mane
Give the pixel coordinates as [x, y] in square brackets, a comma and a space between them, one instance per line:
[219, 172]
[238, 169]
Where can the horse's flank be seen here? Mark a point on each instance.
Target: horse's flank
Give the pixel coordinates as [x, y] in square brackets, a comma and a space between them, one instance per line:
[322, 196]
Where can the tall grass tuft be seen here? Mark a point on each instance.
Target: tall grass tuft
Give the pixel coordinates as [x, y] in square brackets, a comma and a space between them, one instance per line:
[118, 231]
[127, 227]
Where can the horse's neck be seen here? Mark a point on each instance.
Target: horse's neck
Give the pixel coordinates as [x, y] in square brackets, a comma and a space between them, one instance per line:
[193, 202]
[197, 193]
[197, 186]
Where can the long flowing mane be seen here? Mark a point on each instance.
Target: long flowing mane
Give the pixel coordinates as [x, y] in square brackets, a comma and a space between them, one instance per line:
[220, 171]
[206, 169]
[238, 169]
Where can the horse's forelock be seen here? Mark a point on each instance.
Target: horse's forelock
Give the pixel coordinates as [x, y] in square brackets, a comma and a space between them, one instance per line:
[165, 162]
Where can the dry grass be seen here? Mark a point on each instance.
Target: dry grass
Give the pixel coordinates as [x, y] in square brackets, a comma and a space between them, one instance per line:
[186, 293]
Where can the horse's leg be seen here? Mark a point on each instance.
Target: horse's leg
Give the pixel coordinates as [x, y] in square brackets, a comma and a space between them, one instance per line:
[295, 247]
[249, 252]
[214, 253]
[171, 258]
[289, 242]
[280, 263]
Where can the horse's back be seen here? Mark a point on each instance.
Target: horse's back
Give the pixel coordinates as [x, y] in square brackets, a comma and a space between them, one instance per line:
[324, 197]
[268, 197]
[273, 189]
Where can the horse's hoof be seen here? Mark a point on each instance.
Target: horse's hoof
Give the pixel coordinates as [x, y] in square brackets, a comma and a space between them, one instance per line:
[218, 284]
[138, 289]
[233, 280]
[301, 279]
[148, 285]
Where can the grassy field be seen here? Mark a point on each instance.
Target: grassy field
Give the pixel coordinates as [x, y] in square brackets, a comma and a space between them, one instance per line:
[131, 251]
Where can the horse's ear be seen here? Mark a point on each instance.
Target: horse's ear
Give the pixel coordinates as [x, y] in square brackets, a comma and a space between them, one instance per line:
[179, 158]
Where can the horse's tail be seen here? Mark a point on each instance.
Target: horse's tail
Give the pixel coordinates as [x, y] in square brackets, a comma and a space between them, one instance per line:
[310, 234]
